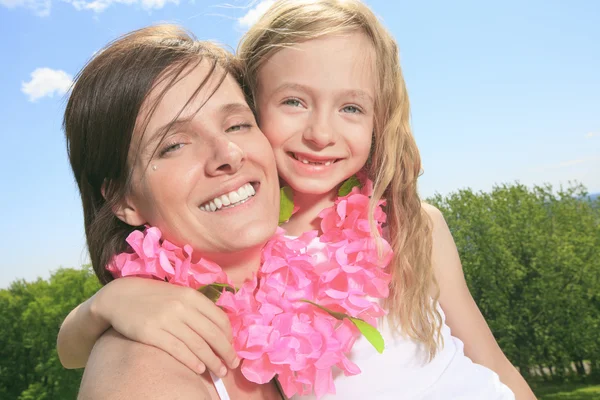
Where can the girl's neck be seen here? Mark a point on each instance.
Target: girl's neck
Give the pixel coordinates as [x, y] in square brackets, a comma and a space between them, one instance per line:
[309, 206]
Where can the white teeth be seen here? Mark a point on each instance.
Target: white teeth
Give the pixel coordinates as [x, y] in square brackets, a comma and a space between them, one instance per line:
[234, 197]
[225, 200]
[230, 199]
[305, 161]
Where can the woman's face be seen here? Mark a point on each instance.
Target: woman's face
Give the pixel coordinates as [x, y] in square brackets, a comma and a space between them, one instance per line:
[212, 181]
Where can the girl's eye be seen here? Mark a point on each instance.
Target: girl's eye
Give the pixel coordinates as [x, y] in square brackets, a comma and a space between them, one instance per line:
[292, 102]
[237, 128]
[171, 148]
[351, 110]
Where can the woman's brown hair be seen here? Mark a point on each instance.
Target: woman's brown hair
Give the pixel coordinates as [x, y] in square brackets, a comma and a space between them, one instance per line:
[100, 119]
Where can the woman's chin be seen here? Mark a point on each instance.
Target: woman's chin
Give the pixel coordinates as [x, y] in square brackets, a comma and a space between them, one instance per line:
[248, 237]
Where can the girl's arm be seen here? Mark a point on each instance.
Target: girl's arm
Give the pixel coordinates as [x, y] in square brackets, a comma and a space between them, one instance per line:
[462, 314]
[179, 320]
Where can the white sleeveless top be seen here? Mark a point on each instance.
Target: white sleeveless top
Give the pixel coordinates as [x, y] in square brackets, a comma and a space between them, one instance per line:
[402, 372]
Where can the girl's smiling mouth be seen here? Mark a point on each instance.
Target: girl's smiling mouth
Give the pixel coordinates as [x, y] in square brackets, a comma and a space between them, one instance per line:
[312, 160]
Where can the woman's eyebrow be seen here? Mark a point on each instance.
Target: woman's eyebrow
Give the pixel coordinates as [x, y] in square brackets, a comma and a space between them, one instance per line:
[232, 108]
[149, 143]
[178, 124]
[160, 132]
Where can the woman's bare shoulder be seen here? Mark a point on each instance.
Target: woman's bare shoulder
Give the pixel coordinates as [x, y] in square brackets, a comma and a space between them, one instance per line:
[119, 368]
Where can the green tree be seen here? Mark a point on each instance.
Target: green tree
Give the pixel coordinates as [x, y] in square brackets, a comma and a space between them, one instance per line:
[31, 317]
[531, 260]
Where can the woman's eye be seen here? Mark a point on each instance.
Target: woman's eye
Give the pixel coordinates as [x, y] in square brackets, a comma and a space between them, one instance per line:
[352, 109]
[292, 102]
[171, 148]
[237, 128]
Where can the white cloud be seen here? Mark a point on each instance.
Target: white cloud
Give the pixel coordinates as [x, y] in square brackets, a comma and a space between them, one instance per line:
[255, 13]
[100, 5]
[565, 164]
[41, 8]
[46, 82]
[571, 163]
[592, 134]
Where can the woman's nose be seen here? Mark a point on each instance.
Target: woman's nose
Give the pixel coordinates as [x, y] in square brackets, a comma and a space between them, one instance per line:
[227, 157]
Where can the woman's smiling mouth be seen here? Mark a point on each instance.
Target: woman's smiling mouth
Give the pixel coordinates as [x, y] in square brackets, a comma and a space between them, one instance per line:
[231, 199]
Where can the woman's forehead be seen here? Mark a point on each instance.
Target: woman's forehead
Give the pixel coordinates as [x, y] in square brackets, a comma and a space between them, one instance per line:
[196, 91]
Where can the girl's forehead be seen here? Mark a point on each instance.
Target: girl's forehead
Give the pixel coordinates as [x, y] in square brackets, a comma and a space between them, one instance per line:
[342, 60]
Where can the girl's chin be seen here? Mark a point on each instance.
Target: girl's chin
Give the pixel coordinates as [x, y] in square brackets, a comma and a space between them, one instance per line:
[314, 187]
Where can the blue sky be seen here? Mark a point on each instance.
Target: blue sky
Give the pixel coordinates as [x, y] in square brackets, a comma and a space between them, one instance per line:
[501, 92]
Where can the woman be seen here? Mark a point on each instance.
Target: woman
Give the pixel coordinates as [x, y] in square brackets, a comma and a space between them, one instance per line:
[157, 127]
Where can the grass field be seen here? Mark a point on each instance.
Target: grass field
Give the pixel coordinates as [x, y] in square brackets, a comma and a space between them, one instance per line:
[567, 392]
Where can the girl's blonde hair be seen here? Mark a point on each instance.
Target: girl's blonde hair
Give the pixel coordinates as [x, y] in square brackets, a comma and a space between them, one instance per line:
[395, 163]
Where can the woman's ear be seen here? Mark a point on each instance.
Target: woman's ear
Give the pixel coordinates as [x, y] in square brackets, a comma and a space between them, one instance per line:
[126, 210]
[128, 213]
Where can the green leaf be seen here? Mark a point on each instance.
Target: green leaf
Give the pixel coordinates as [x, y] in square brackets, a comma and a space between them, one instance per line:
[336, 315]
[214, 290]
[370, 333]
[226, 286]
[286, 204]
[347, 186]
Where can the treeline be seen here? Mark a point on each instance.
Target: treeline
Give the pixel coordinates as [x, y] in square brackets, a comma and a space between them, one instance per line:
[30, 317]
[531, 257]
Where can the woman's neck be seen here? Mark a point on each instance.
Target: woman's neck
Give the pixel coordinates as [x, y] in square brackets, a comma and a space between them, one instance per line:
[309, 206]
[239, 266]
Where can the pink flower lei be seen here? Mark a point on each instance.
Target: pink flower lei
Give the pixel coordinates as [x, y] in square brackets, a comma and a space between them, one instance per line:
[298, 317]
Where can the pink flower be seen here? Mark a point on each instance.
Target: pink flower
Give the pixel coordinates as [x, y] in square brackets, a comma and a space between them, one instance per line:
[354, 273]
[277, 332]
[160, 259]
[288, 268]
[301, 347]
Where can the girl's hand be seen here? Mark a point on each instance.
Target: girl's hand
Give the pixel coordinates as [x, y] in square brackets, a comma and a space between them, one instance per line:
[179, 320]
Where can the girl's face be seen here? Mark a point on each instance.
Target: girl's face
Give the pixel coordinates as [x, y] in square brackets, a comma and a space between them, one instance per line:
[316, 106]
[212, 182]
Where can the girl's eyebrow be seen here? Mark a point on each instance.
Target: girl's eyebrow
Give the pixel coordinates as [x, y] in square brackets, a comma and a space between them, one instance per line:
[359, 94]
[292, 86]
[355, 93]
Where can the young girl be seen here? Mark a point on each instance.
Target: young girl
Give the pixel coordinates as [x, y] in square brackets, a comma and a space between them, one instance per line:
[326, 83]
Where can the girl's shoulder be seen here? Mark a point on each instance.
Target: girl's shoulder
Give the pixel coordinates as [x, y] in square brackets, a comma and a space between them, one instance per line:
[433, 212]
[439, 227]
